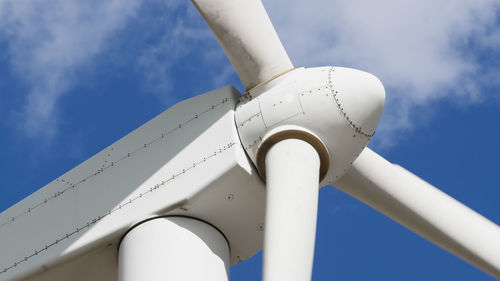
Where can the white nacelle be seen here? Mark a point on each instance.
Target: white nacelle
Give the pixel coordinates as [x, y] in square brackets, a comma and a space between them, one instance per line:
[338, 106]
[187, 161]
[190, 161]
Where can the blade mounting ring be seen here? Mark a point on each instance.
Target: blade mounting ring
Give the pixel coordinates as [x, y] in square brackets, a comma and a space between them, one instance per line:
[318, 145]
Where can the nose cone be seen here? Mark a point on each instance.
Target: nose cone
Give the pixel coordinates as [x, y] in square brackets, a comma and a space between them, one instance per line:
[360, 97]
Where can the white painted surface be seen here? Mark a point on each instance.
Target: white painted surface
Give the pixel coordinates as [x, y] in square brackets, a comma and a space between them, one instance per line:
[360, 96]
[341, 106]
[292, 169]
[171, 249]
[78, 219]
[248, 38]
[424, 209]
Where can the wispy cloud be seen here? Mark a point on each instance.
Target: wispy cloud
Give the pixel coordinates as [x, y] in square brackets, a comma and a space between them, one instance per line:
[177, 36]
[419, 49]
[48, 41]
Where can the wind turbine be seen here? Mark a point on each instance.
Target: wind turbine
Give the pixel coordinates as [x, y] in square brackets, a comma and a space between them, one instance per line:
[183, 196]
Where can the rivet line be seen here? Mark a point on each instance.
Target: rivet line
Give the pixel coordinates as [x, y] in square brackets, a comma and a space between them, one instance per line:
[112, 164]
[313, 90]
[250, 119]
[254, 142]
[93, 221]
[344, 114]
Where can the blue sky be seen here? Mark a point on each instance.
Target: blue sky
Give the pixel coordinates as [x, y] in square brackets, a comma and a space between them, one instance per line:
[75, 76]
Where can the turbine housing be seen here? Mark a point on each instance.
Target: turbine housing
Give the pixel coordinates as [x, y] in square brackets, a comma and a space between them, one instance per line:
[335, 109]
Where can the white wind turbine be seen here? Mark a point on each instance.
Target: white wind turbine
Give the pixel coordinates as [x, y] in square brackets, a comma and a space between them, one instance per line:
[210, 181]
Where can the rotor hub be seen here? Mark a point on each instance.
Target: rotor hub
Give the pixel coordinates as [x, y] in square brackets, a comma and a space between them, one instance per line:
[335, 109]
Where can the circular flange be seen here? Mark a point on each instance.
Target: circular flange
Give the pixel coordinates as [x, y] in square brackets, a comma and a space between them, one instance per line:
[293, 134]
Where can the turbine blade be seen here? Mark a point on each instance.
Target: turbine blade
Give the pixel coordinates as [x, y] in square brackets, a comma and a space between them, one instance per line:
[292, 179]
[248, 38]
[424, 209]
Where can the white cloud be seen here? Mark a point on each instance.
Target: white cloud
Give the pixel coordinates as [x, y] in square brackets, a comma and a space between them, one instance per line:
[48, 41]
[417, 48]
[177, 34]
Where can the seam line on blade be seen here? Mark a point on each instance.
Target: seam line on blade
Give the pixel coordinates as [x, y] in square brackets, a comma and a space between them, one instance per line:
[163, 135]
[247, 94]
[119, 207]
